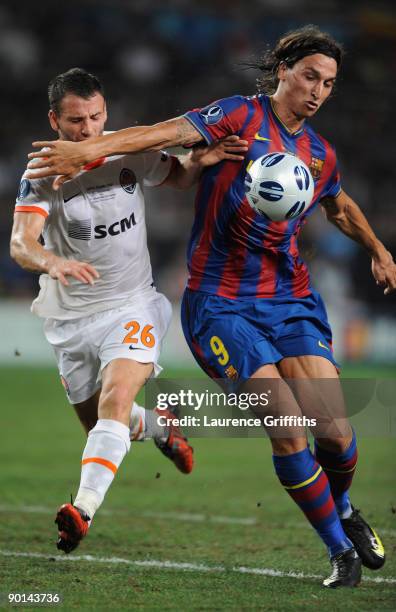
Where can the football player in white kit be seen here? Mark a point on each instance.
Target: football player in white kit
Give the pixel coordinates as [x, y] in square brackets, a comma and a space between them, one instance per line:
[103, 316]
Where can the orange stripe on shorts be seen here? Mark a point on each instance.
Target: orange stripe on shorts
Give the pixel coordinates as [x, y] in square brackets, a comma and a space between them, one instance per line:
[103, 462]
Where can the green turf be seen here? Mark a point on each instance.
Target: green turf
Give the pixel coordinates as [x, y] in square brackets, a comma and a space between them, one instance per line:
[40, 453]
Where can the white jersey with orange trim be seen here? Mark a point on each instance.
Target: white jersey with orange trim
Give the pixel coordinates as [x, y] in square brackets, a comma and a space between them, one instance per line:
[97, 217]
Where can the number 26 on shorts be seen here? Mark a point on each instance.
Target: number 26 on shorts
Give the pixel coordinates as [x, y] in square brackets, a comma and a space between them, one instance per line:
[135, 334]
[218, 348]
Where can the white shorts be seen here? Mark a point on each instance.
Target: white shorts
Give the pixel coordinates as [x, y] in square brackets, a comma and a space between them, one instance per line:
[84, 346]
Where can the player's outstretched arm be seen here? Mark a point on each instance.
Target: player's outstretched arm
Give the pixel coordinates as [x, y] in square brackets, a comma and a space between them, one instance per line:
[31, 255]
[345, 214]
[66, 159]
[188, 168]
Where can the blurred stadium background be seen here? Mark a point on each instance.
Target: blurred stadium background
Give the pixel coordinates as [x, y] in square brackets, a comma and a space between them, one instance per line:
[159, 58]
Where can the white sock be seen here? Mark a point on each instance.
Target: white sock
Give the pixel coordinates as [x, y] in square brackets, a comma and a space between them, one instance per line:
[108, 443]
[137, 423]
[143, 425]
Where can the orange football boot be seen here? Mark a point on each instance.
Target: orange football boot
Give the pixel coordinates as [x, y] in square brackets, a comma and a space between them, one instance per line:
[73, 526]
[176, 446]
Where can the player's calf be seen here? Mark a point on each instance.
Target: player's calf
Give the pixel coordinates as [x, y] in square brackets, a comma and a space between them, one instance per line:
[339, 466]
[107, 444]
[307, 484]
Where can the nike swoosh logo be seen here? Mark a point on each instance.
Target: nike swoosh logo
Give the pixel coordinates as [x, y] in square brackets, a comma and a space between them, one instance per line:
[323, 345]
[137, 348]
[258, 137]
[71, 197]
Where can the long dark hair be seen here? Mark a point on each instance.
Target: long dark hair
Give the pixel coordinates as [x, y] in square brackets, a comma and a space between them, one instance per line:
[289, 49]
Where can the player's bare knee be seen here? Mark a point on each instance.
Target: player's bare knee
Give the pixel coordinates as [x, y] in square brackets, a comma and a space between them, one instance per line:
[335, 445]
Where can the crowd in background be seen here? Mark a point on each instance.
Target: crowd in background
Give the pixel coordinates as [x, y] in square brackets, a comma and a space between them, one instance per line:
[158, 59]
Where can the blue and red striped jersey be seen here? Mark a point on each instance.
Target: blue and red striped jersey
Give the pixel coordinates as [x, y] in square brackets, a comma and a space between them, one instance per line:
[233, 251]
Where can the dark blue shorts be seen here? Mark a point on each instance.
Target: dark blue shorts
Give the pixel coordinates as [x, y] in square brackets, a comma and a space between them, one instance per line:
[232, 338]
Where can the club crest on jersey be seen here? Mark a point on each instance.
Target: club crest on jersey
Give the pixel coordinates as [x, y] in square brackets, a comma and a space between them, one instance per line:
[128, 180]
[231, 373]
[212, 115]
[316, 167]
[24, 189]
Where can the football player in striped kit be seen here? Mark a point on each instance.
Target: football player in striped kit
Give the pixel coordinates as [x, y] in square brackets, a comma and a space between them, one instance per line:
[250, 313]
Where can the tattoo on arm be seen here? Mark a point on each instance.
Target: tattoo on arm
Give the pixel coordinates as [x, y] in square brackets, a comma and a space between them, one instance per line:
[186, 133]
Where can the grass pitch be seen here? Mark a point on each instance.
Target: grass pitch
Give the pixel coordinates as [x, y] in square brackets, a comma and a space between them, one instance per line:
[230, 513]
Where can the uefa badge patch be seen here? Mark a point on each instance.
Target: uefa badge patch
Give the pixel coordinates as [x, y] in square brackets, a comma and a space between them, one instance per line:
[128, 180]
[24, 189]
[212, 114]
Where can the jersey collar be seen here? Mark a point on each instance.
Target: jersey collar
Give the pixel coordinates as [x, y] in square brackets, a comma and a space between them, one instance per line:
[284, 127]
